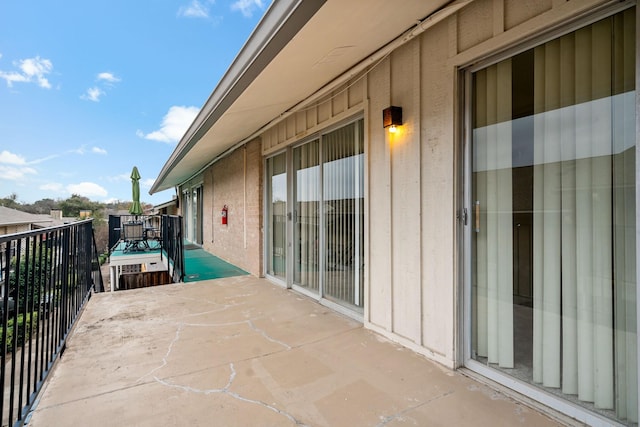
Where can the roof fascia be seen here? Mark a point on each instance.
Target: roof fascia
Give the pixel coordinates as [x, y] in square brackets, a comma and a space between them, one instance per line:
[275, 30]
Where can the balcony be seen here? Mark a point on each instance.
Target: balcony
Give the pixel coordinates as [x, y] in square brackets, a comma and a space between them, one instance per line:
[241, 351]
[232, 351]
[145, 251]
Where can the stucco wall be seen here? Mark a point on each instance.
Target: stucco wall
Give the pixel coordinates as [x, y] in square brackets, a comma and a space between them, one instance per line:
[235, 181]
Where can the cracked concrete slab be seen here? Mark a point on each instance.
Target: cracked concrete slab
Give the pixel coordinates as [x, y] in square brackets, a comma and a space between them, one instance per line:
[242, 352]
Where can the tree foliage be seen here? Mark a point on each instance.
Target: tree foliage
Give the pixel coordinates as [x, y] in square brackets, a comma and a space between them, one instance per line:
[43, 207]
[11, 201]
[34, 269]
[72, 206]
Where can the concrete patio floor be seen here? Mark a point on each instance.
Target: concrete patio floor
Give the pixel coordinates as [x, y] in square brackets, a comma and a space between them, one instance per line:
[242, 352]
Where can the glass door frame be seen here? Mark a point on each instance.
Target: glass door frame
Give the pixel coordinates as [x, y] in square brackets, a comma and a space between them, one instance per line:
[289, 224]
[290, 214]
[193, 212]
[465, 215]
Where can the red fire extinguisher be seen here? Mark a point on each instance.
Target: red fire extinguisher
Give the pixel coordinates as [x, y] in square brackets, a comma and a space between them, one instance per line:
[224, 212]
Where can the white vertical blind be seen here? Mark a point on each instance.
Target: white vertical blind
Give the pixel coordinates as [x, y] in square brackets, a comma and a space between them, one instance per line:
[584, 187]
[341, 208]
[307, 211]
[494, 241]
[624, 247]
[575, 130]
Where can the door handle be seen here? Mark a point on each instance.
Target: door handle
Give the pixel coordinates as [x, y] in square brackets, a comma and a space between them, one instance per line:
[477, 215]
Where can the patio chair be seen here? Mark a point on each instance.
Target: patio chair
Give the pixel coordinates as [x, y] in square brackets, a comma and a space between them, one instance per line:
[133, 236]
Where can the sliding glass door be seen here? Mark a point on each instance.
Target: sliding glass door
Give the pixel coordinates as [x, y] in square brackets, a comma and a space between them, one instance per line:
[343, 196]
[306, 229]
[276, 202]
[553, 231]
[326, 236]
[193, 213]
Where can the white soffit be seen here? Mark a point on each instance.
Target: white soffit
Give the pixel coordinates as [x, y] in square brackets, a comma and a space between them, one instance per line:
[338, 36]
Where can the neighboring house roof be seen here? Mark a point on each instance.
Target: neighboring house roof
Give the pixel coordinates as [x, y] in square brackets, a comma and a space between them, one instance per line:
[117, 212]
[10, 216]
[165, 204]
[298, 48]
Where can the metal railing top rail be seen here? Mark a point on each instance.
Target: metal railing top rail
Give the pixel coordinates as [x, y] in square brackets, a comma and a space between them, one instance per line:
[35, 232]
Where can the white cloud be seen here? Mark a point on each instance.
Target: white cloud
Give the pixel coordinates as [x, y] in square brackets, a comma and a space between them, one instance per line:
[106, 80]
[247, 7]
[194, 10]
[52, 186]
[80, 150]
[121, 177]
[147, 183]
[30, 70]
[174, 124]
[98, 150]
[92, 94]
[108, 77]
[87, 189]
[11, 159]
[13, 77]
[43, 159]
[13, 173]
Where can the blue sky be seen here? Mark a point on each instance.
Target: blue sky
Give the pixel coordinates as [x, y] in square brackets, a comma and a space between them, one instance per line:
[89, 89]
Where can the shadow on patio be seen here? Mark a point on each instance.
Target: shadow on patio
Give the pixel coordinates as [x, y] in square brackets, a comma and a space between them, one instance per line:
[242, 352]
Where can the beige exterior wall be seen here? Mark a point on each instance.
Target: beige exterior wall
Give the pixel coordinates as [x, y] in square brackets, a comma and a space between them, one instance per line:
[12, 229]
[235, 181]
[413, 284]
[344, 102]
[412, 178]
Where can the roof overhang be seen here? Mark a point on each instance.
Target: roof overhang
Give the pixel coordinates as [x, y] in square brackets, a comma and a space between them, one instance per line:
[299, 47]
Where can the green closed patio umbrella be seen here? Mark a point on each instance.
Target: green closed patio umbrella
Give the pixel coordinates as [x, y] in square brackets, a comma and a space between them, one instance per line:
[135, 208]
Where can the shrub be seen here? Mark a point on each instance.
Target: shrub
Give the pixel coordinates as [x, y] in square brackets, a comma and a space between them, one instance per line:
[32, 319]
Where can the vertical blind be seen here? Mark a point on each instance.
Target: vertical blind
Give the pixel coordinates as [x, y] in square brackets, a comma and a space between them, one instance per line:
[306, 159]
[343, 211]
[493, 201]
[581, 143]
[584, 215]
[329, 211]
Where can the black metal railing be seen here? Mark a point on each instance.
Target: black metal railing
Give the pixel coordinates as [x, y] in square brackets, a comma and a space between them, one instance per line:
[117, 221]
[46, 277]
[173, 244]
[170, 237]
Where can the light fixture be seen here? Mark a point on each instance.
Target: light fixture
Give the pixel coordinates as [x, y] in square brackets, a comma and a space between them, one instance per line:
[391, 118]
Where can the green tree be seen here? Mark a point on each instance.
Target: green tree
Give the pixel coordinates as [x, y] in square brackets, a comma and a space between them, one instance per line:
[11, 201]
[73, 205]
[43, 206]
[34, 273]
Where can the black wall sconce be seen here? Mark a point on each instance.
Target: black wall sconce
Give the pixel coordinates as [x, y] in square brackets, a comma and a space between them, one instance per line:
[392, 117]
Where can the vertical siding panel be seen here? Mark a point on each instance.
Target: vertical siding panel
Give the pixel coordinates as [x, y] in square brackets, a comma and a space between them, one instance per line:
[438, 184]
[405, 197]
[379, 201]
